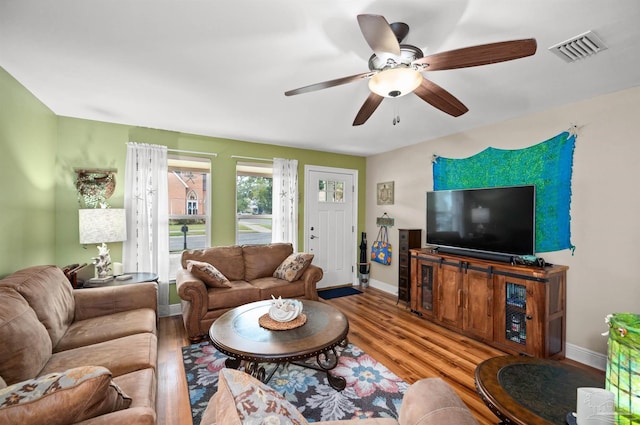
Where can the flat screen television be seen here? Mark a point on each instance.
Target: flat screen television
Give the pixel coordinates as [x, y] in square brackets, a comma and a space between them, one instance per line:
[496, 220]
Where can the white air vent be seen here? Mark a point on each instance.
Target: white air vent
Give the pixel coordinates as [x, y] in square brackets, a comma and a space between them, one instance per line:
[579, 47]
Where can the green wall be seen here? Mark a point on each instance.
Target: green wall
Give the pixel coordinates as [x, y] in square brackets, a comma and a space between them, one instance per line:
[92, 144]
[27, 178]
[47, 148]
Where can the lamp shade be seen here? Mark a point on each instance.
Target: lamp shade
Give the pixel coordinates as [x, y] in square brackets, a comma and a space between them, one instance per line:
[623, 366]
[395, 82]
[102, 225]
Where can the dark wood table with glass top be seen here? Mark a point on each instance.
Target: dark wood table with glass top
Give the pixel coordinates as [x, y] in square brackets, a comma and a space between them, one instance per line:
[531, 391]
[238, 334]
[132, 277]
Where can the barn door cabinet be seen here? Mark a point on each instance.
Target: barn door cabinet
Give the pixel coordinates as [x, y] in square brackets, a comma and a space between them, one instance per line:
[518, 309]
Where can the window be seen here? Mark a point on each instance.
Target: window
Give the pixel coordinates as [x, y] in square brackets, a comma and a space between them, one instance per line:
[330, 191]
[189, 213]
[254, 188]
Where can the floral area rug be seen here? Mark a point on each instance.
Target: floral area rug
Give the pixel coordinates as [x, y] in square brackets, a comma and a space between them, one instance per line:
[372, 389]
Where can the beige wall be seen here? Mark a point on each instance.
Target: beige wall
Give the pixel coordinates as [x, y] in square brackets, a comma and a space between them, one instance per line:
[605, 205]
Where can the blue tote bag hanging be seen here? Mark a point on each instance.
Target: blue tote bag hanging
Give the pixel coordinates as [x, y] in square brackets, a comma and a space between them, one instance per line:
[381, 248]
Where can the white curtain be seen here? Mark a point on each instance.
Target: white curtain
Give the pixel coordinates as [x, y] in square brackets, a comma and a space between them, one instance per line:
[145, 200]
[285, 201]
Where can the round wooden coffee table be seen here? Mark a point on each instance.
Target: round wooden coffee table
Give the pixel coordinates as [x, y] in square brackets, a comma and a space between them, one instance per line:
[238, 334]
[531, 391]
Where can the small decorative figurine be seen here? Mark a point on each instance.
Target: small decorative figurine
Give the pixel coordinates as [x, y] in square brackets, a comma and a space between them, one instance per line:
[103, 261]
[284, 310]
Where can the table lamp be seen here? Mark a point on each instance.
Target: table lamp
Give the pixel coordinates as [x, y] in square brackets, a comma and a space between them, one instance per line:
[623, 366]
[102, 225]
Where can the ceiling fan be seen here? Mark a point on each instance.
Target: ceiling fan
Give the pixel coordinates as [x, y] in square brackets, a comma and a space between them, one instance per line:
[395, 69]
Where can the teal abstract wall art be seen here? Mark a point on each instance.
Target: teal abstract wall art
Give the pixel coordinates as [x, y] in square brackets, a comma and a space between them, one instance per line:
[547, 165]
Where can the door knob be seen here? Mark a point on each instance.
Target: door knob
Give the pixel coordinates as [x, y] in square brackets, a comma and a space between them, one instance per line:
[314, 237]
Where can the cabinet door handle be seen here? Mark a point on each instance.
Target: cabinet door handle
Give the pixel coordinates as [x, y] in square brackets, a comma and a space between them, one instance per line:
[459, 297]
[488, 306]
[529, 317]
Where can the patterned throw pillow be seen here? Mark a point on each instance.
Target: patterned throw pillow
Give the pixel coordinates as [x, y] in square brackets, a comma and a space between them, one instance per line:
[293, 266]
[208, 274]
[242, 400]
[62, 397]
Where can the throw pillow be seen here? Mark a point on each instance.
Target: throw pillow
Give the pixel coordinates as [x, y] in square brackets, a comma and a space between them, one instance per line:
[293, 266]
[208, 274]
[242, 399]
[62, 397]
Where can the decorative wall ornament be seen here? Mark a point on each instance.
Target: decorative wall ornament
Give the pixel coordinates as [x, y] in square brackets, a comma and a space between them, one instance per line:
[94, 186]
[385, 193]
[547, 165]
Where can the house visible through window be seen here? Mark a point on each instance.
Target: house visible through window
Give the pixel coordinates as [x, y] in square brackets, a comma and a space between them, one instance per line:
[189, 181]
[254, 188]
[192, 203]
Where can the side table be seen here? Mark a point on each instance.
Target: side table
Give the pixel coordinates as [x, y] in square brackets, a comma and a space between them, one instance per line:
[136, 277]
[532, 391]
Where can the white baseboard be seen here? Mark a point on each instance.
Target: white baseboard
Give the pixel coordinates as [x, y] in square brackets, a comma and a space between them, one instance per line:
[391, 289]
[573, 352]
[169, 310]
[585, 356]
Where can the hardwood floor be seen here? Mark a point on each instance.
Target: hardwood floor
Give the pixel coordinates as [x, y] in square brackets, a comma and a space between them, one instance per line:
[411, 347]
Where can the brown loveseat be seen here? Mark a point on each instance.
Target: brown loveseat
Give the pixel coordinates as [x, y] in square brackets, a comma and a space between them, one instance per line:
[429, 401]
[70, 356]
[250, 271]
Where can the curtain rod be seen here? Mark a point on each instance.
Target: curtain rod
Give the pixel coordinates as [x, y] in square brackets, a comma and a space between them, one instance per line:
[186, 151]
[252, 158]
[192, 152]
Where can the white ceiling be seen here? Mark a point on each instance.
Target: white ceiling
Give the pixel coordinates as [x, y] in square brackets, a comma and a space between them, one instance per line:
[220, 68]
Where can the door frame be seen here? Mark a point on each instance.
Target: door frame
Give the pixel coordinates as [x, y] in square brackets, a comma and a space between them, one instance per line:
[354, 208]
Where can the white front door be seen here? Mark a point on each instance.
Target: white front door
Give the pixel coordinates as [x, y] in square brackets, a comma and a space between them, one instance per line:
[330, 231]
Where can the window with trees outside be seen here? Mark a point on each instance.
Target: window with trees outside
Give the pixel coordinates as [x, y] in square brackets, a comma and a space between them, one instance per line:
[254, 188]
[189, 181]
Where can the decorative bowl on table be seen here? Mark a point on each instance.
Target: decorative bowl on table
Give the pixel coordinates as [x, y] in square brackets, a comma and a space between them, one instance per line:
[284, 310]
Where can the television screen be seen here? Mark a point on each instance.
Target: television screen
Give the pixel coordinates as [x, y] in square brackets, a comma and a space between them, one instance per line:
[493, 220]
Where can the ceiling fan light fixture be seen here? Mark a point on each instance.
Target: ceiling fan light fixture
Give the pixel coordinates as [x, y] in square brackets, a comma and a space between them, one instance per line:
[395, 82]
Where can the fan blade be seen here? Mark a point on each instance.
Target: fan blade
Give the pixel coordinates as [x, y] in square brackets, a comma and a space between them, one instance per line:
[368, 108]
[379, 35]
[483, 54]
[439, 98]
[330, 83]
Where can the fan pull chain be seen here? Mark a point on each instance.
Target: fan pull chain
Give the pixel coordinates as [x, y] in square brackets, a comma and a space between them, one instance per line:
[396, 116]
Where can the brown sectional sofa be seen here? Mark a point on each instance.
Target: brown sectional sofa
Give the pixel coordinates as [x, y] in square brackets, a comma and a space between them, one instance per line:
[49, 328]
[250, 270]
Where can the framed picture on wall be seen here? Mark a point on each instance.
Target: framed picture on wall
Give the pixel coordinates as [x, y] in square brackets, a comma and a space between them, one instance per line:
[385, 193]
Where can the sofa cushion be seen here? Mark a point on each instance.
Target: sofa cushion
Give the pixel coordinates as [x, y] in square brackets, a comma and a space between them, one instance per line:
[207, 273]
[263, 260]
[62, 397]
[141, 387]
[227, 259]
[108, 327]
[25, 346]
[120, 356]
[272, 286]
[49, 293]
[240, 293]
[293, 266]
[242, 399]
